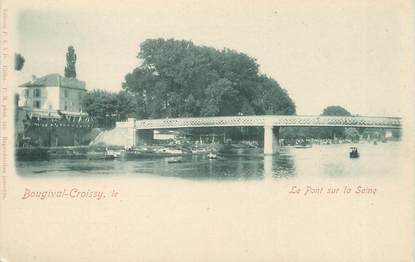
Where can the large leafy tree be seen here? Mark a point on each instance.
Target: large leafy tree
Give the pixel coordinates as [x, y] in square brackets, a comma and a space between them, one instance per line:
[70, 70]
[107, 107]
[180, 79]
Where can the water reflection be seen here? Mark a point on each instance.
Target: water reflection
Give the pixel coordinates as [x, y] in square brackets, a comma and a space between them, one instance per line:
[284, 166]
[325, 160]
[268, 165]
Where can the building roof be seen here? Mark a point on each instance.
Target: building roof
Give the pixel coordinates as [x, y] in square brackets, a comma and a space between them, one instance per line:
[55, 80]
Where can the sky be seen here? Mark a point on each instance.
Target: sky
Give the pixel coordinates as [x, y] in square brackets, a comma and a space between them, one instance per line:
[354, 54]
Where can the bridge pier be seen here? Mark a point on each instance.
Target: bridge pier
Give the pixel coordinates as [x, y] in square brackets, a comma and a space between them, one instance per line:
[271, 137]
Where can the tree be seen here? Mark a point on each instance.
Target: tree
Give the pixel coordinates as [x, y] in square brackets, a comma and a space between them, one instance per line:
[335, 111]
[333, 132]
[126, 105]
[274, 99]
[352, 134]
[107, 107]
[97, 105]
[70, 70]
[217, 93]
[180, 79]
[18, 62]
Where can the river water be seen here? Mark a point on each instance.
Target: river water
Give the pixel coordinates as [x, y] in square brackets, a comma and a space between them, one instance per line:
[317, 162]
[238, 208]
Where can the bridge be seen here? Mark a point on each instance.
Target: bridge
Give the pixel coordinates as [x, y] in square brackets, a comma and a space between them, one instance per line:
[271, 124]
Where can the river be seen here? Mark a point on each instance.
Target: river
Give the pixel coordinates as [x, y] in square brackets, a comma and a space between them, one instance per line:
[318, 161]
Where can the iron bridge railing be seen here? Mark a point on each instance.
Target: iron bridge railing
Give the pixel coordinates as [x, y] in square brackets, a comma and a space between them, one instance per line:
[270, 120]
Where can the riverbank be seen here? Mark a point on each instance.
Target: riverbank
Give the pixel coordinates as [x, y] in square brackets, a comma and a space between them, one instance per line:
[96, 152]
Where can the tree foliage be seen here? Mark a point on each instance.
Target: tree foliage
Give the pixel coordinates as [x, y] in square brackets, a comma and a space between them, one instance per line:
[322, 132]
[180, 79]
[335, 111]
[18, 62]
[70, 70]
[332, 132]
[107, 107]
[351, 133]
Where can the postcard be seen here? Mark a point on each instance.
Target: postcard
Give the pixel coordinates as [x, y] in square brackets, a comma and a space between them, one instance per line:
[207, 131]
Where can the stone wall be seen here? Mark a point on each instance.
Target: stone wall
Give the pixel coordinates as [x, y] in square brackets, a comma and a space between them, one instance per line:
[37, 128]
[54, 136]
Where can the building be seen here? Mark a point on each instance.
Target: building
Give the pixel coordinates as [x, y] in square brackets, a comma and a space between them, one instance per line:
[53, 92]
[49, 112]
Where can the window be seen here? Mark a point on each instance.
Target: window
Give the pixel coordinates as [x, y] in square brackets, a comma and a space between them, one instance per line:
[37, 104]
[80, 96]
[37, 92]
[26, 93]
[66, 106]
[66, 93]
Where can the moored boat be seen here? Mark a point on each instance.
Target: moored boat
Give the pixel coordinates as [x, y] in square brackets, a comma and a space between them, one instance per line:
[212, 156]
[303, 146]
[100, 155]
[174, 160]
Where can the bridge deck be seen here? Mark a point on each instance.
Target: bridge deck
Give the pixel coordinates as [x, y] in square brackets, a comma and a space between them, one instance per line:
[270, 120]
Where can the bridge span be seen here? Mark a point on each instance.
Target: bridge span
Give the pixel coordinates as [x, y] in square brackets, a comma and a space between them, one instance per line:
[271, 124]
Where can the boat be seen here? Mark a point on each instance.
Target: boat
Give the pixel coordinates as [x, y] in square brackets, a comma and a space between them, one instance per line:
[149, 152]
[304, 144]
[169, 151]
[212, 156]
[114, 153]
[101, 155]
[354, 153]
[198, 151]
[173, 161]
